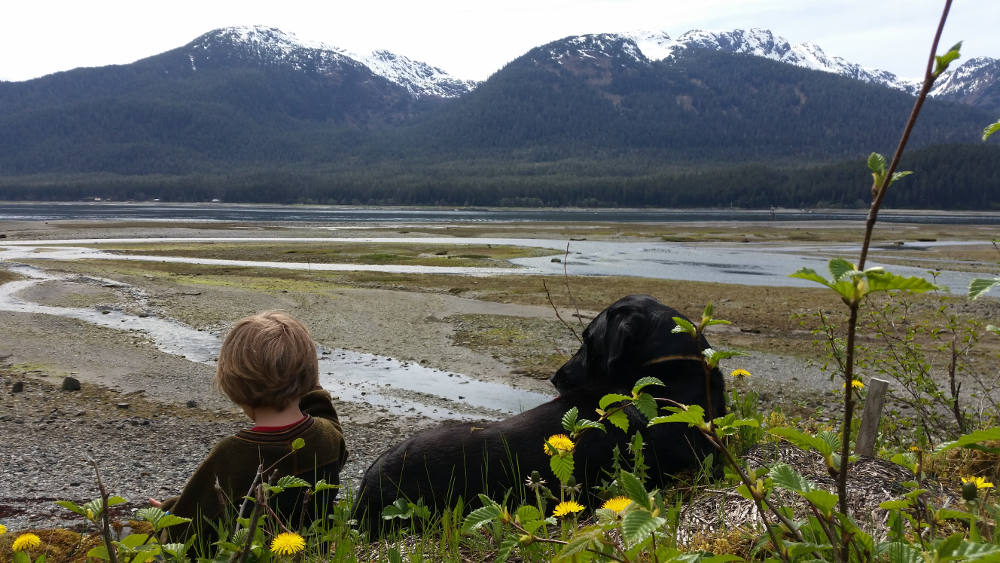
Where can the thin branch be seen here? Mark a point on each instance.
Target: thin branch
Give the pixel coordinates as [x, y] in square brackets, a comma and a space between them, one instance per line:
[548, 296]
[105, 518]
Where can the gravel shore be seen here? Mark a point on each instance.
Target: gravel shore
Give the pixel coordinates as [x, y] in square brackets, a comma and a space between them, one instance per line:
[146, 418]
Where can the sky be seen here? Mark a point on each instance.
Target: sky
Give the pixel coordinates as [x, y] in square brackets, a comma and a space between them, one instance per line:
[472, 39]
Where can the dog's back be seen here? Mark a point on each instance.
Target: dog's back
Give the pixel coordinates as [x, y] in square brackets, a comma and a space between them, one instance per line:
[462, 460]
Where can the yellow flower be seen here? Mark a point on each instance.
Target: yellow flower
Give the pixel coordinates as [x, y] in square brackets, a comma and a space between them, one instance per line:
[739, 373]
[566, 507]
[979, 482]
[3, 529]
[287, 543]
[855, 384]
[558, 443]
[617, 504]
[25, 542]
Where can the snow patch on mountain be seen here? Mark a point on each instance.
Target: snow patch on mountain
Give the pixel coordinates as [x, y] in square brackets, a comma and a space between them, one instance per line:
[274, 46]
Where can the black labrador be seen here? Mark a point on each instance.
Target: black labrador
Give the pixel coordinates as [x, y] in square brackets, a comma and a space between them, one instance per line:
[462, 460]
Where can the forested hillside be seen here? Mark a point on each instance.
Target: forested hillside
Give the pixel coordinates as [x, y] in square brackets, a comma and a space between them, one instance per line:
[553, 127]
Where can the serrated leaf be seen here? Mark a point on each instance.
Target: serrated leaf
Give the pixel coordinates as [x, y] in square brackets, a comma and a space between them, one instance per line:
[562, 466]
[947, 547]
[584, 424]
[809, 274]
[527, 513]
[684, 326]
[991, 129]
[171, 520]
[942, 61]
[646, 405]
[784, 476]
[638, 525]
[694, 415]
[979, 286]
[569, 419]
[822, 499]
[974, 551]
[900, 174]
[972, 439]
[948, 514]
[840, 268]
[620, 420]
[612, 398]
[322, 485]
[645, 382]
[634, 489]
[98, 552]
[880, 280]
[900, 552]
[291, 481]
[70, 505]
[506, 547]
[876, 163]
[802, 439]
[480, 516]
[579, 542]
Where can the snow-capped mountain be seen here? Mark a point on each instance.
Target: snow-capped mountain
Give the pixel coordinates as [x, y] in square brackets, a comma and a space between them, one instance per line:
[271, 46]
[959, 84]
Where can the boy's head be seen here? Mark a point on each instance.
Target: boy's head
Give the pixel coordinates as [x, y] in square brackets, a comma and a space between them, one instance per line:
[267, 360]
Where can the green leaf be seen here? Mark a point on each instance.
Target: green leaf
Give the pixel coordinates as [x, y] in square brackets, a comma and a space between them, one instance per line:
[876, 163]
[880, 280]
[638, 525]
[693, 415]
[480, 516]
[809, 274]
[947, 547]
[979, 286]
[579, 542]
[784, 476]
[562, 466]
[134, 540]
[991, 129]
[610, 399]
[69, 505]
[115, 500]
[900, 552]
[506, 547]
[895, 505]
[840, 268]
[171, 520]
[298, 444]
[584, 424]
[684, 325]
[822, 499]
[646, 405]
[942, 61]
[645, 382]
[99, 552]
[322, 485]
[948, 514]
[803, 440]
[527, 513]
[972, 440]
[993, 328]
[974, 551]
[290, 481]
[569, 419]
[900, 174]
[620, 419]
[634, 489]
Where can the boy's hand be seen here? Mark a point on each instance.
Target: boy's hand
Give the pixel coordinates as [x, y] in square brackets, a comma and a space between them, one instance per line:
[155, 503]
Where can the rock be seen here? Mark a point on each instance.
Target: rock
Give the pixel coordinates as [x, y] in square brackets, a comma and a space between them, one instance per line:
[191, 404]
[17, 387]
[122, 405]
[71, 384]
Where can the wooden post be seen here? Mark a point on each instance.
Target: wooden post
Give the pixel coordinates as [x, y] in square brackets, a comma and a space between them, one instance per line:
[865, 444]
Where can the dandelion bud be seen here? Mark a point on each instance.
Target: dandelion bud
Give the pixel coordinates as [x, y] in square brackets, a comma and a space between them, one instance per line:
[969, 491]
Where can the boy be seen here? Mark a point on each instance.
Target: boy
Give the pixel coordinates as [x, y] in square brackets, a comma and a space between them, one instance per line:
[268, 366]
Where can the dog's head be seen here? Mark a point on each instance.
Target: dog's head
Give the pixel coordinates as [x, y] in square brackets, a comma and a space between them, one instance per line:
[619, 343]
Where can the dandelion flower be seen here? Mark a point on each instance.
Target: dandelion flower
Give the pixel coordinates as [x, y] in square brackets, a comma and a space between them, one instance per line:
[979, 482]
[25, 542]
[618, 504]
[739, 373]
[287, 543]
[855, 384]
[3, 529]
[566, 507]
[558, 443]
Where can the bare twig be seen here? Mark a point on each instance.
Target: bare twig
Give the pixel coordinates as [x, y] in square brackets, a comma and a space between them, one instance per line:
[569, 291]
[105, 518]
[548, 296]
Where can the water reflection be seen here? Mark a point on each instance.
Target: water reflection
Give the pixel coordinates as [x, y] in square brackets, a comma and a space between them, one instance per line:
[401, 388]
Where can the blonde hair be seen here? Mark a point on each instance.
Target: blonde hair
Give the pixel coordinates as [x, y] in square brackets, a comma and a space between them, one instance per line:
[267, 360]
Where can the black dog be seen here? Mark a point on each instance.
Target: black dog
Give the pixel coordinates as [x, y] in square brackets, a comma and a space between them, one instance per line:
[441, 464]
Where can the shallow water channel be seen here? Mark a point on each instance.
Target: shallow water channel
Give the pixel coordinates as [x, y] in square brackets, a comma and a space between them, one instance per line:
[399, 387]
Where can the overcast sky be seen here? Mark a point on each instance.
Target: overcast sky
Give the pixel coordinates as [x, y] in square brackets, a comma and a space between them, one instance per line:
[474, 38]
